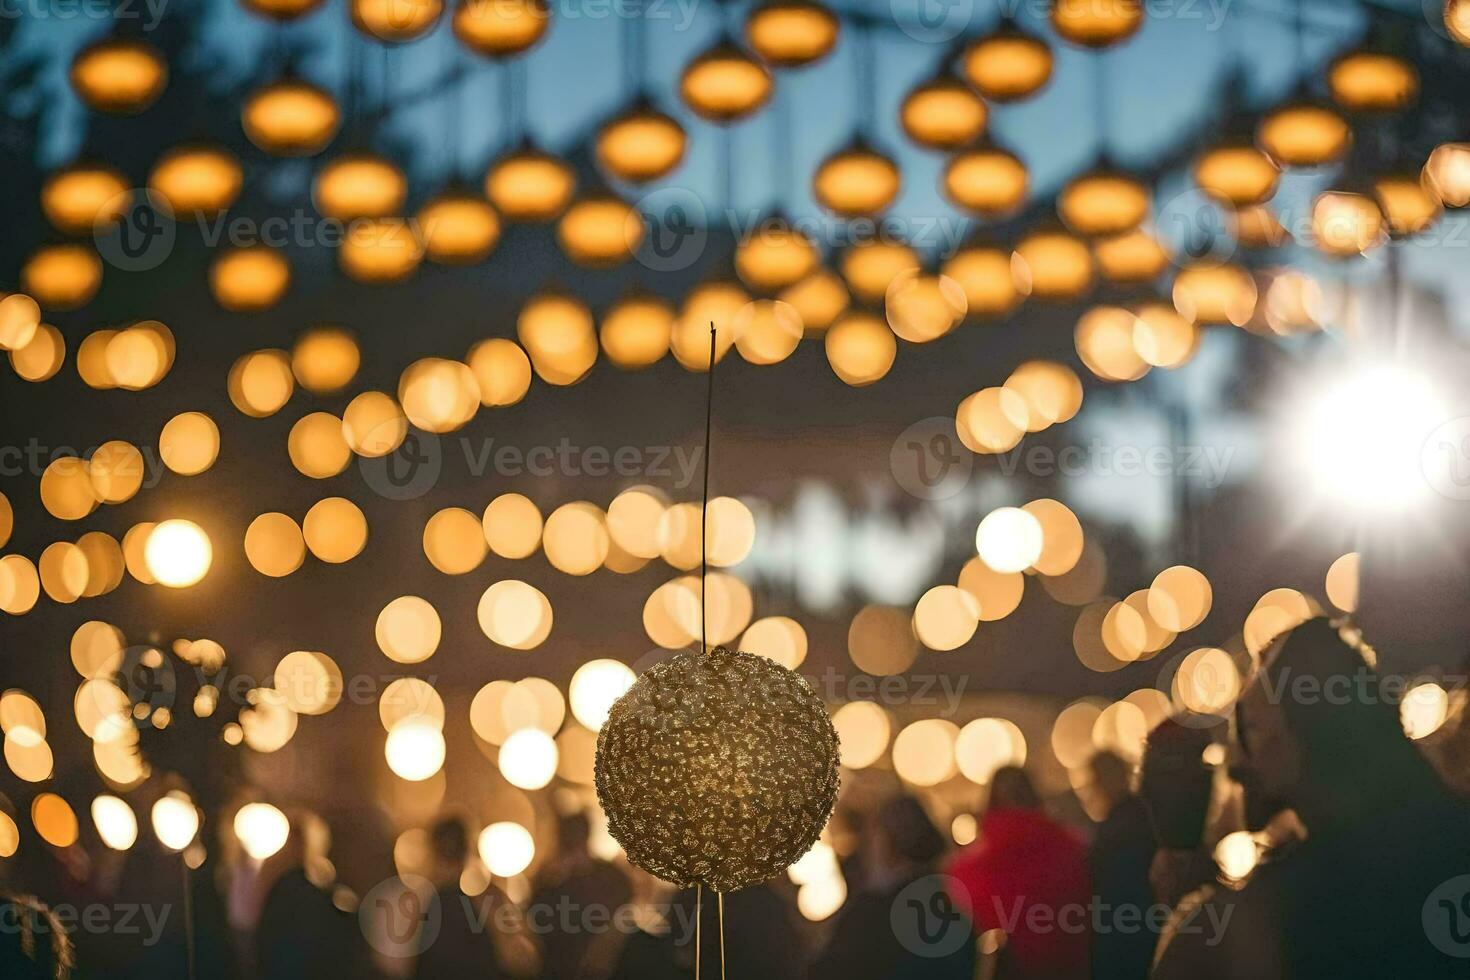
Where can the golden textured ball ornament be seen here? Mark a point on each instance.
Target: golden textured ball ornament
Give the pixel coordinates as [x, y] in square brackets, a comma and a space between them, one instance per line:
[1097, 23]
[1103, 202]
[81, 196]
[943, 114]
[1373, 82]
[717, 769]
[856, 182]
[1304, 134]
[458, 227]
[121, 76]
[528, 184]
[987, 180]
[724, 84]
[791, 33]
[501, 28]
[291, 118]
[1008, 64]
[395, 21]
[641, 144]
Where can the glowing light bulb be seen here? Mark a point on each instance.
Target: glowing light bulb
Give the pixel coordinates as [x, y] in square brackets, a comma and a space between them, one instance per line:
[528, 758]
[116, 823]
[178, 553]
[415, 749]
[1009, 539]
[506, 848]
[595, 686]
[175, 821]
[262, 829]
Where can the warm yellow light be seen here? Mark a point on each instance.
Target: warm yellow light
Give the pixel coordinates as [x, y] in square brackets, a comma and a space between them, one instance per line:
[290, 118]
[178, 553]
[635, 332]
[600, 231]
[528, 758]
[860, 348]
[1105, 342]
[175, 820]
[1424, 710]
[863, 730]
[557, 333]
[870, 267]
[1097, 23]
[325, 360]
[1447, 171]
[529, 185]
[1236, 855]
[719, 302]
[984, 274]
[79, 198]
[119, 75]
[725, 84]
[595, 686]
[500, 28]
[515, 615]
[1237, 174]
[791, 33]
[274, 545]
[641, 144]
[1103, 202]
[381, 250]
[506, 848]
[1346, 223]
[197, 180]
[1052, 265]
[923, 753]
[1409, 207]
[261, 829]
[1009, 539]
[282, 10]
[1303, 134]
[767, 331]
[359, 185]
[249, 280]
[1008, 64]
[819, 299]
[987, 744]
[856, 182]
[1223, 293]
[62, 277]
[775, 255]
[395, 20]
[415, 749]
[458, 228]
[189, 443]
[1373, 81]
[1457, 20]
[42, 356]
[1179, 598]
[1132, 257]
[945, 617]
[943, 114]
[116, 823]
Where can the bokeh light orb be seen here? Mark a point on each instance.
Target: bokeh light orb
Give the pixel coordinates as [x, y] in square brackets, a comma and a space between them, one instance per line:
[261, 829]
[291, 118]
[395, 21]
[1103, 202]
[458, 227]
[62, 277]
[528, 758]
[860, 348]
[1237, 174]
[197, 180]
[600, 231]
[724, 84]
[641, 144]
[1097, 23]
[1009, 539]
[1007, 64]
[250, 279]
[943, 114]
[791, 33]
[178, 553]
[529, 185]
[856, 182]
[500, 28]
[1304, 134]
[506, 848]
[81, 197]
[121, 76]
[359, 185]
[1373, 82]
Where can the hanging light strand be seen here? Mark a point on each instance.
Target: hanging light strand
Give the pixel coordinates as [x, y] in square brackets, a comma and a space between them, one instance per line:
[709, 414]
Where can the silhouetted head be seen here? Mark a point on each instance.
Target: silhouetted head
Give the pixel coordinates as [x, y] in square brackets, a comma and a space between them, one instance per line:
[907, 833]
[1112, 778]
[1011, 787]
[1175, 783]
[451, 843]
[573, 832]
[33, 943]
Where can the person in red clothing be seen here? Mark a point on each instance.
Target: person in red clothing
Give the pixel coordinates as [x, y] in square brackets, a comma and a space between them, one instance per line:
[1026, 875]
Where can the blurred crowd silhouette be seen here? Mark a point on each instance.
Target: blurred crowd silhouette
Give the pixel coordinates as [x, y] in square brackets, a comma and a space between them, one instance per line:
[1298, 838]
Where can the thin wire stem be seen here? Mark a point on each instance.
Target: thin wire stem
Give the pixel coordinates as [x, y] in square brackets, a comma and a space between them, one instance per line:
[721, 896]
[188, 916]
[698, 924]
[709, 414]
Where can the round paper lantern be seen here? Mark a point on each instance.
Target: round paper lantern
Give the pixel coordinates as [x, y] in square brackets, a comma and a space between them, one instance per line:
[62, 277]
[791, 33]
[458, 227]
[943, 114]
[282, 10]
[1373, 81]
[1237, 174]
[198, 180]
[250, 279]
[359, 185]
[1097, 23]
[775, 255]
[1103, 202]
[500, 28]
[641, 144]
[529, 185]
[986, 179]
[1447, 173]
[1346, 223]
[79, 197]
[395, 21]
[119, 75]
[290, 118]
[717, 769]
[380, 250]
[1304, 134]
[1007, 64]
[1131, 258]
[856, 182]
[600, 231]
[1409, 207]
[725, 84]
[1053, 265]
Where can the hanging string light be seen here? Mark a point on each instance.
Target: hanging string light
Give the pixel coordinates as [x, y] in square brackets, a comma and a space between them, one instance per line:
[857, 181]
[1131, 258]
[80, 197]
[791, 33]
[1457, 20]
[1008, 64]
[942, 113]
[724, 84]
[1346, 223]
[281, 10]
[62, 277]
[983, 272]
[1447, 172]
[122, 76]
[774, 255]
[1237, 174]
[290, 118]
[1409, 206]
[1303, 132]
[986, 179]
[198, 180]
[359, 185]
[380, 250]
[641, 144]
[1097, 23]
[500, 28]
[250, 279]
[1372, 81]
[395, 21]
[1051, 264]
[458, 226]
[600, 230]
